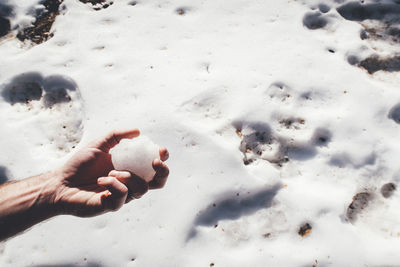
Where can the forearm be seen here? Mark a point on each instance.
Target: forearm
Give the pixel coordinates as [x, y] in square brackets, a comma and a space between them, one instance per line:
[25, 203]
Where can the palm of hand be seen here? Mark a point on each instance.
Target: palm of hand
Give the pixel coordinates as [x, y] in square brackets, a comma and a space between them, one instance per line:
[81, 193]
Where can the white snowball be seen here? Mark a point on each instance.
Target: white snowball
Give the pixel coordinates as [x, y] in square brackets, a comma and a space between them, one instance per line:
[135, 155]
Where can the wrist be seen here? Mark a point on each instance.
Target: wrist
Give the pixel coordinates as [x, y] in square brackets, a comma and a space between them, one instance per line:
[46, 200]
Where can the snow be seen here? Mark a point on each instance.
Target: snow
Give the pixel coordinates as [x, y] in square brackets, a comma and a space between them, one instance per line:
[268, 125]
[136, 155]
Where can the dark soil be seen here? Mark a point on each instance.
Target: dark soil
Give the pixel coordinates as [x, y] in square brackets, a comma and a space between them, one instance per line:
[305, 230]
[374, 63]
[39, 32]
[388, 189]
[359, 203]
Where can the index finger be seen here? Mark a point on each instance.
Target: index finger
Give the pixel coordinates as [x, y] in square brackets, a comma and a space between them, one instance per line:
[113, 138]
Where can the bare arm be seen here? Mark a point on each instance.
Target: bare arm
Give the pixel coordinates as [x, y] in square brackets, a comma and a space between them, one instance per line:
[25, 203]
[87, 185]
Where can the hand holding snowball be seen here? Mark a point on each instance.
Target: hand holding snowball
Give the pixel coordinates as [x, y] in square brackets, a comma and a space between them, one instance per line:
[86, 185]
[91, 185]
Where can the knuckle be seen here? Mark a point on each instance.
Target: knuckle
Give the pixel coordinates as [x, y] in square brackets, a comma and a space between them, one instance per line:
[125, 174]
[166, 154]
[111, 137]
[162, 172]
[111, 180]
[91, 153]
[113, 173]
[124, 190]
[166, 171]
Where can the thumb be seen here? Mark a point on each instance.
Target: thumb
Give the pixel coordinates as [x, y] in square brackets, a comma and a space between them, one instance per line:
[115, 197]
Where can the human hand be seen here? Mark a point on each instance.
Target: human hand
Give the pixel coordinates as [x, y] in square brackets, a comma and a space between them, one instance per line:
[88, 185]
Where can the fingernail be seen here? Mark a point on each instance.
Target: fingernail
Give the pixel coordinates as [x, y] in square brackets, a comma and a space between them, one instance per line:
[106, 194]
[100, 180]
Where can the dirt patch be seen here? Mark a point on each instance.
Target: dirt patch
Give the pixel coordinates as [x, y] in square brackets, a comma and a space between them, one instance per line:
[374, 63]
[305, 230]
[359, 203]
[388, 189]
[93, 2]
[98, 4]
[292, 123]
[386, 32]
[39, 32]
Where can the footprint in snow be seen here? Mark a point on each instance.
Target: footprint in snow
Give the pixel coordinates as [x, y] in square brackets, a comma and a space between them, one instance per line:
[388, 189]
[359, 203]
[100, 4]
[394, 113]
[48, 110]
[6, 12]
[380, 22]
[260, 142]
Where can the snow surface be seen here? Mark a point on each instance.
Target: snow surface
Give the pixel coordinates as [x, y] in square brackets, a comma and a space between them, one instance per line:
[136, 155]
[271, 131]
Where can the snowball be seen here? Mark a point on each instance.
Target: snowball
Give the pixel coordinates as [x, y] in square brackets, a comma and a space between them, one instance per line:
[135, 155]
